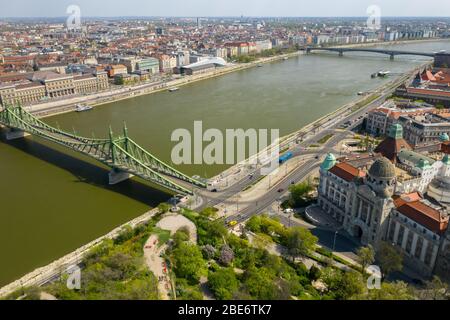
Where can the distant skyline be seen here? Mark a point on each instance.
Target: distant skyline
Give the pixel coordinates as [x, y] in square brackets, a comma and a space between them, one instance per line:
[214, 8]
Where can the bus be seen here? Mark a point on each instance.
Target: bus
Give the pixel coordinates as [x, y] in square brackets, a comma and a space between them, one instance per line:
[285, 157]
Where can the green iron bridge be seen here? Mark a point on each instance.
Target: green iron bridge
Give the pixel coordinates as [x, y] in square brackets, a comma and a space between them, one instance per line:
[122, 154]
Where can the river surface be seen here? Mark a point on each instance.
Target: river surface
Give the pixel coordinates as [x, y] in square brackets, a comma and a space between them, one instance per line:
[54, 200]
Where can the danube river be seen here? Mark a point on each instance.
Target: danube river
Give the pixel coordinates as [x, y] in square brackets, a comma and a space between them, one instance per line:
[53, 200]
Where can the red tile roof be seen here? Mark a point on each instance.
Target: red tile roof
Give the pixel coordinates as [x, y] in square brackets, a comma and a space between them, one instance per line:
[390, 147]
[445, 147]
[426, 216]
[441, 93]
[346, 171]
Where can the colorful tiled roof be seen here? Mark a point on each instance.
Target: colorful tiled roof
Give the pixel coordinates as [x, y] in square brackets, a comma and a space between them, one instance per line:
[423, 214]
[346, 171]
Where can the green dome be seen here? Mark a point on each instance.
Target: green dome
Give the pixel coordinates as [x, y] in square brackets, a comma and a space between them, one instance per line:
[446, 159]
[329, 162]
[382, 169]
[423, 164]
[396, 131]
[444, 137]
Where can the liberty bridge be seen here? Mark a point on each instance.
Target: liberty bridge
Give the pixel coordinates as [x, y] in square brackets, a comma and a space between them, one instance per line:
[124, 156]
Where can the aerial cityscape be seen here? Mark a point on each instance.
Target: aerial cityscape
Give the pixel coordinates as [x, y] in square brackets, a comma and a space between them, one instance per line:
[159, 151]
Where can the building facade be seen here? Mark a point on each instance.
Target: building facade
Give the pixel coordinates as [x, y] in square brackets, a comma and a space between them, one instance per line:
[368, 208]
[49, 85]
[400, 196]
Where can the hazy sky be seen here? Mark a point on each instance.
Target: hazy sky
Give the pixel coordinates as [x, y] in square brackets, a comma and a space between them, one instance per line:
[193, 8]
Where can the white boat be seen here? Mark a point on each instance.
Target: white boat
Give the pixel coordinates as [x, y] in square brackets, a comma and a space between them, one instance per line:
[383, 73]
[285, 58]
[173, 89]
[81, 108]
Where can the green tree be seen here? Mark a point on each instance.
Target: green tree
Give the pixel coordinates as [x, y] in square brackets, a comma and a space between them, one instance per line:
[119, 81]
[366, 256]
[209, 212]
[185, 291]
[435, 289]
[262, 241]
[163, 208]
[389, 291]
[299, 194]
[260, 283]
[342, 285]
[389, 259]
[314, 273]
[182, 235]
[300, 241]
[188, 262]
[223, 283]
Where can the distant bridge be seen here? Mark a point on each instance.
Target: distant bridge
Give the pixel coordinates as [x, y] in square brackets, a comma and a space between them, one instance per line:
[391, 53]
[123, 155]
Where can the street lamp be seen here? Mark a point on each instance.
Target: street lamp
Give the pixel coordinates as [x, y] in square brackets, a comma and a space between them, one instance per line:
[334, 242]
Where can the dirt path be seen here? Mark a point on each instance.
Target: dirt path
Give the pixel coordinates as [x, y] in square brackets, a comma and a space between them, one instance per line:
[47, 296]
[157, 265]
[175, 222]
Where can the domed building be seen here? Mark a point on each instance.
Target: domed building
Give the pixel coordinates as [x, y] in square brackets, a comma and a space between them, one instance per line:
[382, 177]
[444, 137]
[366, 202]
[439, 189]
[393, 144]
[329, 162]
[360, 201]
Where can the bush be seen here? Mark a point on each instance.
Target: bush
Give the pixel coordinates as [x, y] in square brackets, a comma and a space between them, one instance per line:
[226, 255]
[223, 283]
[314, 273]
[324, 252]
[188, 262]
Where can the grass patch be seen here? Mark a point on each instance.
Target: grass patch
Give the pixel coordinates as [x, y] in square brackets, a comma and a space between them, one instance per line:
[365, 102]
[325, 139]
[254, 183]
[163, 236]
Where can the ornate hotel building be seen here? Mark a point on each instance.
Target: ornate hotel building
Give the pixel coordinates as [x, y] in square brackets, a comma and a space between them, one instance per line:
[398, 196]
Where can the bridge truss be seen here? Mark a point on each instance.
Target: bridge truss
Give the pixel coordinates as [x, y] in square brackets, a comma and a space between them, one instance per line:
[120, 153]
[388, 52]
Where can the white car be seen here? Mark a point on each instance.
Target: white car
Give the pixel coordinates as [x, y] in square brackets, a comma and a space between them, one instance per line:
[289, 210]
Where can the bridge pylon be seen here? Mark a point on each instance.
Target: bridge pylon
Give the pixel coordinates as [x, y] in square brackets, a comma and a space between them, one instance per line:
[13, 134]
[116, 176]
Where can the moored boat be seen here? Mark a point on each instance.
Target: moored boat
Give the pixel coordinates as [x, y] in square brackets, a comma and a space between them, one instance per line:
[81, 108]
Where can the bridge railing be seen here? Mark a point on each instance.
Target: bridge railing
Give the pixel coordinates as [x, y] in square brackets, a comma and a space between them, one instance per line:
[121, 152]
